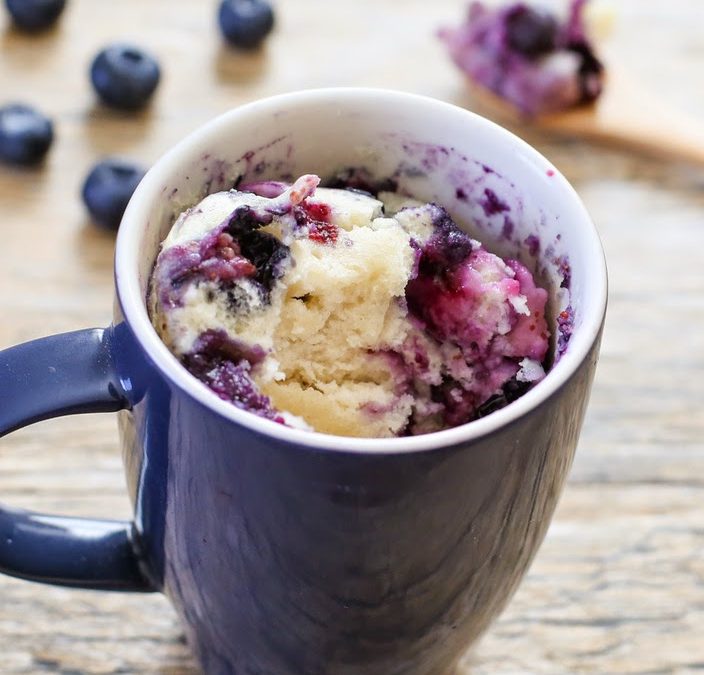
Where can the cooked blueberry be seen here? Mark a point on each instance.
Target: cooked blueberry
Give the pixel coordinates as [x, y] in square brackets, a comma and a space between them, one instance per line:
[245, 23]
[446, 248]
[35, 15]
[124, 76]
[25, 134]
[268, 255]
[590, 70]
[511, 390]
[108, 188]
[225, 366]
[531, 31]
[361, 180]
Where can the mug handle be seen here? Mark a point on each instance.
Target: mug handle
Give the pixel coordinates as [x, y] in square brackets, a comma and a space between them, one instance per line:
[53, 376]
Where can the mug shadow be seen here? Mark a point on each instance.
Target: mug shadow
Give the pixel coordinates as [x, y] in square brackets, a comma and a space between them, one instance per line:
[30, 51]
[20, 184]
[109, 131]
[177, 670]
[95, 246]
[184, 663]
[239, 66]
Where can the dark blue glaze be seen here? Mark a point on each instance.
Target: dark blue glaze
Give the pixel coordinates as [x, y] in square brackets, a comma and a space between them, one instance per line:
[58, 375]
[286, 560]
[145, 434]
[78, 552]
[63, 375]
[283, 559]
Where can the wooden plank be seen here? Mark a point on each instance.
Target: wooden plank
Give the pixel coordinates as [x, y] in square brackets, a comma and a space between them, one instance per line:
[618, 586]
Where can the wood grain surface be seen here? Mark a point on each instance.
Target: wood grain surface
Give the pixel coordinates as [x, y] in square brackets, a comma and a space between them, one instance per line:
[618, 586]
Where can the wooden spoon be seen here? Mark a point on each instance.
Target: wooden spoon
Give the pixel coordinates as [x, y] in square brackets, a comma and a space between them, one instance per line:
[626, 114]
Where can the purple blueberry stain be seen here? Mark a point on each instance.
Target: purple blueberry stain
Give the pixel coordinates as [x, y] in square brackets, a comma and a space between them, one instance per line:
[532, 243]
[508, 227]
[226, 174]
[565, 327]
[492, 204]
[566, 272]
[429, 156]
[362, 180]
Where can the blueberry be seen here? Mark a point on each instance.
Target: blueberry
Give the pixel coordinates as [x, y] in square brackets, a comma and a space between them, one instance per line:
[245, 23]
[25, 134]
[265, 251]
[124, 76]
[531, 31]
[107, 189]
[35, 15]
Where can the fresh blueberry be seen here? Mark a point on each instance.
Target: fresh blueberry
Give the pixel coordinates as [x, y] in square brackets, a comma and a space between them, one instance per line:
[35, 15]
[245, 23]
[107, 189]
[124, 76]
[25, 134]
[531, 31]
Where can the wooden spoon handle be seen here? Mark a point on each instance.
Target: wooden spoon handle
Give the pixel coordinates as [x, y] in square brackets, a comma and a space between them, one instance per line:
[628, 115]
[625, 115]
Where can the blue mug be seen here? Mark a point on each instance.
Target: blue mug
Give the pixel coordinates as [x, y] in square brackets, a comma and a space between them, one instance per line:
[287, 552]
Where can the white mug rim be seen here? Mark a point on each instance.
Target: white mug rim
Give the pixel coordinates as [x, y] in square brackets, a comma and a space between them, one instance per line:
[133, 306]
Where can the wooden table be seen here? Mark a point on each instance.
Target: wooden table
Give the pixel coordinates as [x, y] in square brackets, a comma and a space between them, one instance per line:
[618, 586]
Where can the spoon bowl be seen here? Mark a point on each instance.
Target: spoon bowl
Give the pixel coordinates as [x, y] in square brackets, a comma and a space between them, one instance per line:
[626, 114]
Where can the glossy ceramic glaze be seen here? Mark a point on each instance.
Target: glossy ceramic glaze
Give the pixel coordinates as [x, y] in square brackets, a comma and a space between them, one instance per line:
[288, 552]
[285, 559]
